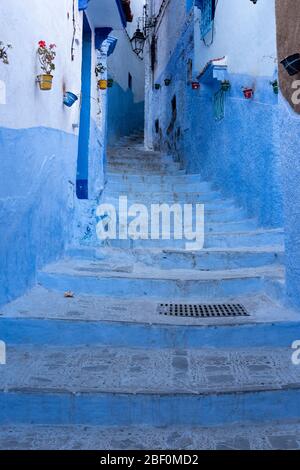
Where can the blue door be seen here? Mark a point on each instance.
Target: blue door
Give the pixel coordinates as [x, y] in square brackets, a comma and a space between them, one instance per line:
[85, 114]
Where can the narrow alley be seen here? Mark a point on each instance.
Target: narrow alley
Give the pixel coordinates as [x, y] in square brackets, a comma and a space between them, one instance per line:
[147, 288]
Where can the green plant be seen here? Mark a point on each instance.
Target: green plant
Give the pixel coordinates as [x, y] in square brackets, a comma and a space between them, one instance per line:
[46, 57]
[3, 52]
[100, 69]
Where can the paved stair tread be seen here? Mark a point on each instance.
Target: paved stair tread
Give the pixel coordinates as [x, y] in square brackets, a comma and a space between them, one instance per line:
[142, 371]
[88, 268]
[274, 436]
[40, 303]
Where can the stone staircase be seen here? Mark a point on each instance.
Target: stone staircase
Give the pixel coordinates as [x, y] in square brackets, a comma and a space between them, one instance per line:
[104, 369]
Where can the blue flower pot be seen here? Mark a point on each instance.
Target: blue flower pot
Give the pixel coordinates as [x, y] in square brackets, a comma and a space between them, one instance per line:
[69, 99]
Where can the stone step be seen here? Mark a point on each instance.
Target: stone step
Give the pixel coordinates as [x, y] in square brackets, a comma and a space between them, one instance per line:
[169, 259]
[148, 181]
[201, 387]
[250, 238]
[272, 436]
[163, 197]
[210, 204]
[45, 317]
[87, 277]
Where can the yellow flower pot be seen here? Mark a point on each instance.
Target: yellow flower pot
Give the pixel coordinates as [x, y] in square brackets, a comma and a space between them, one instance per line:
[102, 84]
[45, 81]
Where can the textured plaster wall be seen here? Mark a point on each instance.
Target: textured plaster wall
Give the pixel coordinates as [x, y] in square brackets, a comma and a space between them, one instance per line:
[287, 17]
[38, 140]
[239, 153]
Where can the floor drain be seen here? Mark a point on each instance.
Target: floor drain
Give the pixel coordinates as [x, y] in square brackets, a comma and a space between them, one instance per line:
[203, 310]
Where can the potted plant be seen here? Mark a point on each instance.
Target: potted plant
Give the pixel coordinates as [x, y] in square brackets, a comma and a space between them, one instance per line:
[110, 82]
[70, 98]
[167, 81]
[157, 86]
[248, 93]
[275, 86]
[195, 85]
[99, 70]
[46, 57]
[3, 52]
[225, 85]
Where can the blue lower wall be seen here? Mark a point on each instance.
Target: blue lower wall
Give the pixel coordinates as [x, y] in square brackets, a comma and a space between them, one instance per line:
[38, 172]
[124, 115]
[240, 152]
[289, 131]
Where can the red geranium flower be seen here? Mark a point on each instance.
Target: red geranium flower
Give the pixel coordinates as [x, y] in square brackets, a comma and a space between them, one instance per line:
[42, 44]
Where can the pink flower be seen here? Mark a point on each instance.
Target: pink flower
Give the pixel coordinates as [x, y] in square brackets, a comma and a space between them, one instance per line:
[52, 46]
[42, 44]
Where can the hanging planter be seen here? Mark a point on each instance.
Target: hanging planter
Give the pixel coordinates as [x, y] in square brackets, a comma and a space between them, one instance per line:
[46, 57]
[225, 85]
[275, 86]
[195, 85]
[110, 83]
[102, 84]
[157, 86]
[45, 81]
[292, 64]
[70, 98]
[167, 81]
[248, 93]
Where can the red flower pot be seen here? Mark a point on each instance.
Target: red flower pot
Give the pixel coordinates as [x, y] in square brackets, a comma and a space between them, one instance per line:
[195, 85]
[248, 93]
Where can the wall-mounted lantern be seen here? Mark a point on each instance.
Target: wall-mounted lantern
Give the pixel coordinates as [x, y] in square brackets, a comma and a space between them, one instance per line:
[139, 38]
[248, 93]
[70, 98]
[292, 64]
[167, 81]
[138, 41]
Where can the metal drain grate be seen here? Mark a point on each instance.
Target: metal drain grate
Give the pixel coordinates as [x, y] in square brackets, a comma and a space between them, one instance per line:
[203, 310]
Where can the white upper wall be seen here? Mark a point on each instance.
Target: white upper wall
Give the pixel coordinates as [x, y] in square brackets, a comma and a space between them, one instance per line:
[245, 32]
[24, 24]
[124, 60]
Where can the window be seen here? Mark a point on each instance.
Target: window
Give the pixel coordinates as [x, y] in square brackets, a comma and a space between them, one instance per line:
[129, 81]
[207, 8]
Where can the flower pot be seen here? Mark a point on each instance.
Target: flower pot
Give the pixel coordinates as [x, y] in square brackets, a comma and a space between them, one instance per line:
[167, 81]
[195, 85]
[45, 81]
[248, 93]
[102, 84]
[69, 99]
[157, 86]
[275, 86]
[292, 64]
[225, 86]
[110, 83]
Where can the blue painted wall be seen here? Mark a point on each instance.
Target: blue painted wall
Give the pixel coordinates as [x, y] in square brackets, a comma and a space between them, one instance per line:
[240, 153]
[36, 202]
[124, 115]
[289, 131]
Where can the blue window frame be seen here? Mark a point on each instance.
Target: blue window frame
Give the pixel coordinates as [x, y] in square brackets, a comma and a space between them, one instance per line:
[207, 8]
